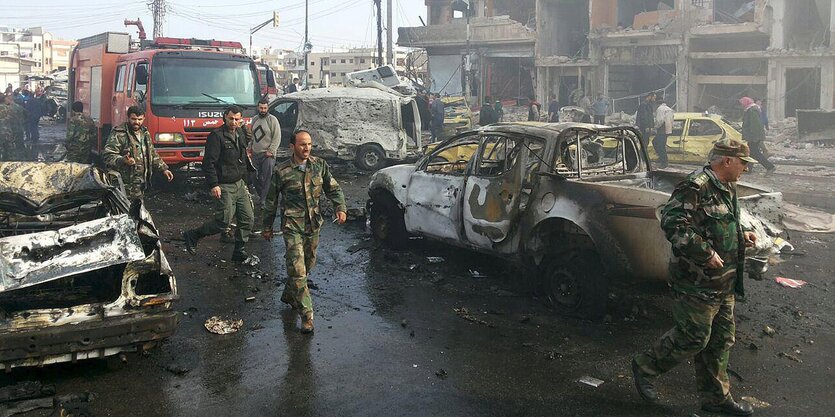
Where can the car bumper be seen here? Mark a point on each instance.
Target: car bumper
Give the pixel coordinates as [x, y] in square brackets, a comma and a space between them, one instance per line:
[93, 339]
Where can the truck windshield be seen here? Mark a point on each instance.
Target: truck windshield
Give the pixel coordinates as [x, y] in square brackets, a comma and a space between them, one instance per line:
[180, 81]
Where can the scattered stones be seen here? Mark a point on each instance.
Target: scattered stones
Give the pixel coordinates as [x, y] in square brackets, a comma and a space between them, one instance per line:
[441, 374]
[769, 331]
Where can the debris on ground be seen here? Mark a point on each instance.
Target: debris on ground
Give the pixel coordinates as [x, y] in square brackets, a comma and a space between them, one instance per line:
[248, 299]
[768, 330]
[465, 314]
[404, 323]
[790, 283]
[790, 356]
[591, 381]
[32, 395]
[441, 373]
[476, 274]
[756, 403]
[177, 369]
[434, 259]
[356, 214]
[217, 325]
[251, 260]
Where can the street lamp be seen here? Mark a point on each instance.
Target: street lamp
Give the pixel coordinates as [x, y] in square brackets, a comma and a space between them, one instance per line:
[463, 6]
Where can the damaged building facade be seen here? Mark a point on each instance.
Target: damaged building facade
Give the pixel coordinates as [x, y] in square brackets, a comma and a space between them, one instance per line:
[501, 43]
[698, 54]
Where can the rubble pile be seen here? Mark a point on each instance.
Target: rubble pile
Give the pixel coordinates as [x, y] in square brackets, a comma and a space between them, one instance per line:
[782, 131]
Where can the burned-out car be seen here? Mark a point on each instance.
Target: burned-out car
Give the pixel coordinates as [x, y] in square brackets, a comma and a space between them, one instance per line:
[82, 272]
[577, 203]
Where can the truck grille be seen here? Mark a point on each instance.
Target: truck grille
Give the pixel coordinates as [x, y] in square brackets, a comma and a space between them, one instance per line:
[197, 134]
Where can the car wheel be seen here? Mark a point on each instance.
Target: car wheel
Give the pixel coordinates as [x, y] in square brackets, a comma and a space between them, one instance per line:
[387, 223]
[370, 157]
[575, 285]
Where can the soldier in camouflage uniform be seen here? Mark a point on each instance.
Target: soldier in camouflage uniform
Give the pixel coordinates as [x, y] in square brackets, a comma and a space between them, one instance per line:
[701, 220]
[300, 180]
[12, 120]
[129, 151]
[81, 133]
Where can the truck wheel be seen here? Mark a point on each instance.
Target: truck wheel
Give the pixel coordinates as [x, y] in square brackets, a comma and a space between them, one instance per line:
[575, 284]
[370, 157]
[387, 223]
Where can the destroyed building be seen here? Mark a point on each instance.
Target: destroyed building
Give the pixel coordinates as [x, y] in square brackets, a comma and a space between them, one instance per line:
[501, 43]
[698, 54]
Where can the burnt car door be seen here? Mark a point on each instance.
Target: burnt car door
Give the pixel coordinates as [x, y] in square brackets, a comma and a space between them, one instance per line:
[493, 190]
[433, 199]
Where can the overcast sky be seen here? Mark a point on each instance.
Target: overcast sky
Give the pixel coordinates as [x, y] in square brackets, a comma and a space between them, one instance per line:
[333, 23]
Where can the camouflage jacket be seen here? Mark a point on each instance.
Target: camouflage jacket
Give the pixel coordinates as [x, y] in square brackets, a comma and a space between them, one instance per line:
[81, 132]
[12, 119]
[122, 141]
[702, 217]
[300, 190]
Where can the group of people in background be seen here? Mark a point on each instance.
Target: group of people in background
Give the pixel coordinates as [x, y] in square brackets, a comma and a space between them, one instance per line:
[20, 112]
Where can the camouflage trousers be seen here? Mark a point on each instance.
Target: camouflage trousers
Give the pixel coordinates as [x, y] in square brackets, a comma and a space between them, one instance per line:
[300, 257]
[704, 331]
[78, 150]
[234, 203]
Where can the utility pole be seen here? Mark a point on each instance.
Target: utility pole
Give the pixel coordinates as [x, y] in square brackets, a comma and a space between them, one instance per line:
[379, 31]
[307, 45]
[258, 27]
[389, 38]
[158, 10]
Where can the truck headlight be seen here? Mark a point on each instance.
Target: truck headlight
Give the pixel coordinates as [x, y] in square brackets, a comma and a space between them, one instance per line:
[169, 138]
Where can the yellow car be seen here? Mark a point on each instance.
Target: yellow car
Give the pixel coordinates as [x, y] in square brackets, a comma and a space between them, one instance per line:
[457, 116]
[693, 137]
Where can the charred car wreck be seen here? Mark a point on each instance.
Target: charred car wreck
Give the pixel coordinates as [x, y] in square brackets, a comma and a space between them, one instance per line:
[82, 272]
[577, 202]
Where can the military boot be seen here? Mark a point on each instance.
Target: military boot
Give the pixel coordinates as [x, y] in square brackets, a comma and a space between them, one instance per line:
[307, 323]
[239, 253]
[191, 240]
[644, 386]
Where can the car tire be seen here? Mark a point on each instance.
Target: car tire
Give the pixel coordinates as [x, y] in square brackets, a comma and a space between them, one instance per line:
[575, 285]
[370, 157]
[387, 222]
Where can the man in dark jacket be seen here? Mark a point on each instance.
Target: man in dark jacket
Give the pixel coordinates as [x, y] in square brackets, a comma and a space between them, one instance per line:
[645, 118]
[226, 165]
[487, 116]
[753, 132]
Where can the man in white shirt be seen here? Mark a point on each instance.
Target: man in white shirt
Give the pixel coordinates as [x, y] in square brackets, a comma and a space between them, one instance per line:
[664, 126]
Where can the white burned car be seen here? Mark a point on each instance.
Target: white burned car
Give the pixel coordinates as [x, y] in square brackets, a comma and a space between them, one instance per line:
[82, 273]
[576, 202]
[366, 125]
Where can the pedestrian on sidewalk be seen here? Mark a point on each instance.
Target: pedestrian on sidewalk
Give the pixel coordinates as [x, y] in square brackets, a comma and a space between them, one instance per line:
[702, 221]
[664, 116]
[226, 165]
[266, 137]
[130, 151]
[300, 180]
[753, 132]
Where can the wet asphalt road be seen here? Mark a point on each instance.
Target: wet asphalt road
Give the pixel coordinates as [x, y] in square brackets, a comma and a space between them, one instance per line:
[397, 335]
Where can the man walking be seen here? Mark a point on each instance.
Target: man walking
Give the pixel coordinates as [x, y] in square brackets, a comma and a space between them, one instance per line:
[226, 165]
[300, 181]
[81, 133]
[753, 132]
[702, 222]
[129, 151]
[645, 118]
[266, 137]
[664, 127]
[436, 124]
[33, 117]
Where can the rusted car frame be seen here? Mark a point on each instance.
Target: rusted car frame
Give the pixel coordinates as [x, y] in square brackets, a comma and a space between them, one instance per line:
[82, 272]
[582, 215]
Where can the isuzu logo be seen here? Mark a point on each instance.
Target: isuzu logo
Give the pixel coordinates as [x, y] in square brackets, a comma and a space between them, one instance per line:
[207, 114]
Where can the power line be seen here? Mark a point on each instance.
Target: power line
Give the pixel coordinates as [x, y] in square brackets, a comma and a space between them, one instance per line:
[158, 8]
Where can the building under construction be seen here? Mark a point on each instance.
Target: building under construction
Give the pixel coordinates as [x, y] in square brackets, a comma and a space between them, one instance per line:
[699, 54]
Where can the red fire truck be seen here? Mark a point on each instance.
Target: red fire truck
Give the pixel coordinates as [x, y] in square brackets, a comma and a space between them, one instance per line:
[183, 85]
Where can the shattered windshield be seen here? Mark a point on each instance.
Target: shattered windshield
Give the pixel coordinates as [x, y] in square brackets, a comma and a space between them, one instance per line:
[181, 81]
[599, 154]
